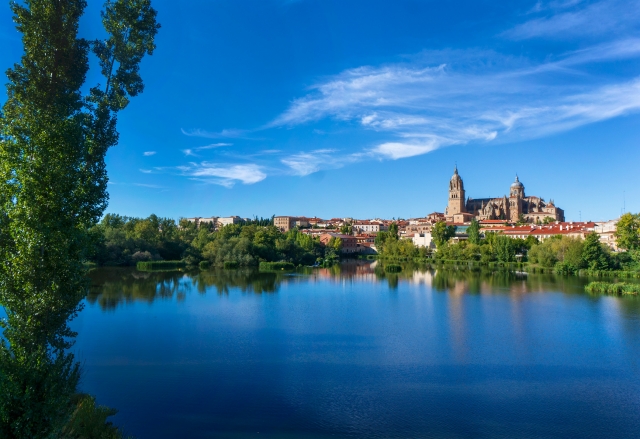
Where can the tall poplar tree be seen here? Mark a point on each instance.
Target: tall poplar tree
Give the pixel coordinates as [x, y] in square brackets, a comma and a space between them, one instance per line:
[53, 180]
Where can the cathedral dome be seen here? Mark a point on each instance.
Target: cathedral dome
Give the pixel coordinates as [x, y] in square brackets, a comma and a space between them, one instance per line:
[456, 176]
[516, 184]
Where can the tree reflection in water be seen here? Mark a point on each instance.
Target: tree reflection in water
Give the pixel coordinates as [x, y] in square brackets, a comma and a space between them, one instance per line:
[111, 287]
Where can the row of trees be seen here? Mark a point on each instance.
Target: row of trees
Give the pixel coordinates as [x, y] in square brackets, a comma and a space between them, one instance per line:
[565, 254]
[120, 240]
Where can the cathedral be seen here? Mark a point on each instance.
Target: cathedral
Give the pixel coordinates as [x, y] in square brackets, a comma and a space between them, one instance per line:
[511, 208]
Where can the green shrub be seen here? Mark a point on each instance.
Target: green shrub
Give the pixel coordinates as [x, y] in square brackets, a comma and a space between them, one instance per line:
[231, 265]
[565, 268]
[159, 265]
[204, 265]
[276, 266]
[610, 273]
[613, 288]
[393, 268]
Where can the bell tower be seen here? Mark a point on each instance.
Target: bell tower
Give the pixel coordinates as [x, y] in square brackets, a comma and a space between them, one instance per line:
[456, 195]
[516, 195]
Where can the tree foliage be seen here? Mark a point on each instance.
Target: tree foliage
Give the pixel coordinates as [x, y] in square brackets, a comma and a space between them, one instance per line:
[53, 180]
[594, 255]
[441, 233]
[473, 232]
[628, 231]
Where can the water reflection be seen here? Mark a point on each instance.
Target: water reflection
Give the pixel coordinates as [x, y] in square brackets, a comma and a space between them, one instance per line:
[113, 286]
[352, 351]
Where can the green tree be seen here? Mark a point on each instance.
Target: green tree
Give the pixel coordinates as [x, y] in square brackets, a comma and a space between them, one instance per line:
[505, 249]
[393, 231]
[594, 255]
[628, 231]
[473, 231]
[53, 180]
[441, 233]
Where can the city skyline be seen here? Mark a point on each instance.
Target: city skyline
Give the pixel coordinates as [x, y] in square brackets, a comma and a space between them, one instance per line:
[362, 109]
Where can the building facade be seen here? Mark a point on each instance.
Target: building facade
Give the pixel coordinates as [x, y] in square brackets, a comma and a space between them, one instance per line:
[533, 209]
[286, 223]
[349, 243]
[226, 221]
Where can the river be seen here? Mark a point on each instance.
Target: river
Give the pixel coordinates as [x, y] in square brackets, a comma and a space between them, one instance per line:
[351, 352]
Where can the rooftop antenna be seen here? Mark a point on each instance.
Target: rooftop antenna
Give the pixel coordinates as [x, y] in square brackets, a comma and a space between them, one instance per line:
[624, 202]
[580, 213]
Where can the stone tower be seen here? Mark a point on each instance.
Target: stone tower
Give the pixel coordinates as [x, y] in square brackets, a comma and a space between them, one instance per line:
[456, 195]
[516, 196]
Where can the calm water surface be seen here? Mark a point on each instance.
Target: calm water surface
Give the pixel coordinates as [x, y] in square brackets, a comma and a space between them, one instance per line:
[348, 353]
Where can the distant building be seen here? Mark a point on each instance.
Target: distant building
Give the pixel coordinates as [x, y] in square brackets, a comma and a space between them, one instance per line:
[199, 221]
[286, 223]
[211, 222]
[349, 243]
[226, 221]
[195, 220]
[369, 227]
[543, 232]
[607, 231]
[423, 240]
[533, 209]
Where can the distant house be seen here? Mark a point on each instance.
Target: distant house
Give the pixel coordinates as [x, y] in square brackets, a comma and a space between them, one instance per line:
[607, 231]
[423, 240]
[286, 223]
[543, 232]
[349, 243]
[199, 221]
[225, 221]
[369, 227]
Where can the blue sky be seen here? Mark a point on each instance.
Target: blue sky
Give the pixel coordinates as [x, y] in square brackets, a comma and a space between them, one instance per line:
[362, 108]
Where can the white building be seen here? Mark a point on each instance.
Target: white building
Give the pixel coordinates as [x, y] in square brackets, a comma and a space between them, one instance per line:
[423, 240]
[607, 231]
[225, 221]
[369, 227]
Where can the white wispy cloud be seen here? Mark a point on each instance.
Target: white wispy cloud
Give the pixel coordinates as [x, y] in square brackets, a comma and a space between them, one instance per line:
[231, 133]
[224, 175]
[148, 153]
[399, 150]
[420, 108]
[188, 152]
[305, 163]
[213, 146]
[150, 186]
[580, 19]
[146, 171]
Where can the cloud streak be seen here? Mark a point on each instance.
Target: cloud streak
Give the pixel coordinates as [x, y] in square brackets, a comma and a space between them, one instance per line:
[606, 17]
[228, 133]
[213, 146]
[420, 108]
[305, 163]
[224, 175]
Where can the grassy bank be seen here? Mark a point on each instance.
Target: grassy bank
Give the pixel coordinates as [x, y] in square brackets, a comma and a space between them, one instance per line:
[613, 288]
[160, 265]
[276, 266]
[611, 273]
